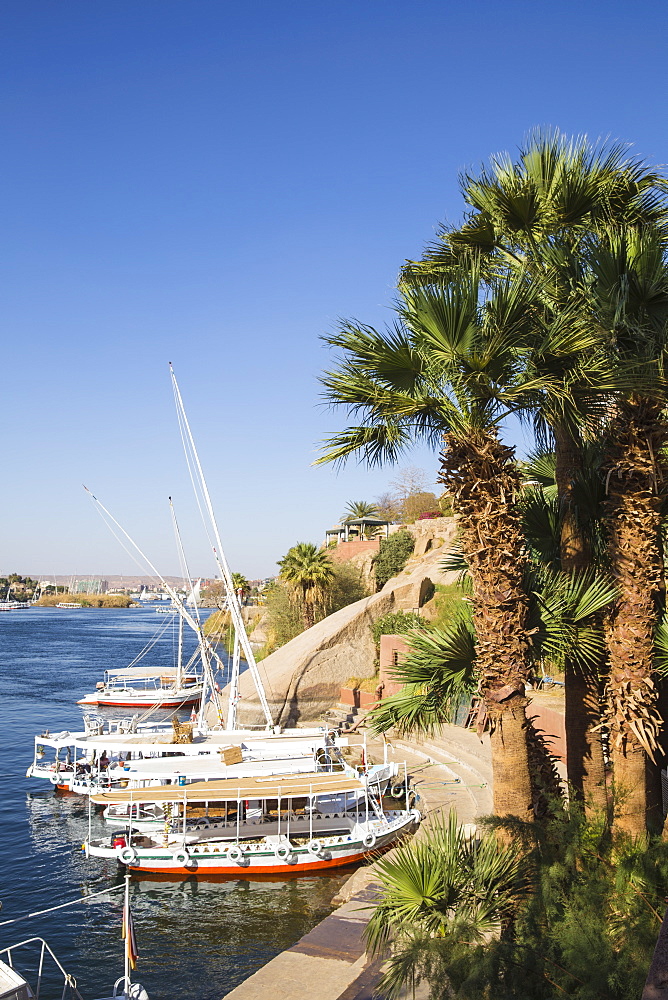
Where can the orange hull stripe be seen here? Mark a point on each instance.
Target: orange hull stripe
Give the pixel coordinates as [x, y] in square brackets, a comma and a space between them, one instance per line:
[231, 868]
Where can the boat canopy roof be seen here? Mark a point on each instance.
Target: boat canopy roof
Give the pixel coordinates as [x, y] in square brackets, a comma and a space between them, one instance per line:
[204, 766]
[213, 741]
[233, 789]
[57, 740]
[138, 672]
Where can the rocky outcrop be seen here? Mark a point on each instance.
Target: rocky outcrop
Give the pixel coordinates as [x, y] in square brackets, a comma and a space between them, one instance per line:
[303, 678]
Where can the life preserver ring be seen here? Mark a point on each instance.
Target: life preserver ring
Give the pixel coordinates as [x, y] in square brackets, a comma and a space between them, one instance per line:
[398, 790]
[314, 847]
[182, 857]
[128, 855]
[283, 851]
[56, 779]
[369, 839]
[235, 854]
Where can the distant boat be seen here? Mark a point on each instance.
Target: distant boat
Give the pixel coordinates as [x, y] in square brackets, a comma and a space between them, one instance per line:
[68, 604]
[8, 605]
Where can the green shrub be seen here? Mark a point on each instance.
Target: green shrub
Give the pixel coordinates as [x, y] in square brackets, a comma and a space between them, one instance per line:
[347, 586]
[284, 618]
[392, 556]
[396, 623]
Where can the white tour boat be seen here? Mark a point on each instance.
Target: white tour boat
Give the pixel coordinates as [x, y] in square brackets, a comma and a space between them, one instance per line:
[259, 826]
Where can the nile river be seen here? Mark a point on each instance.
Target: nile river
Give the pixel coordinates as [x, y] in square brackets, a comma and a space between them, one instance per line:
[197, 940]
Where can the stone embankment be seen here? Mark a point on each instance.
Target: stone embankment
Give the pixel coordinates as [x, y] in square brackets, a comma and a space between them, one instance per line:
[450, 771]
[303, 678]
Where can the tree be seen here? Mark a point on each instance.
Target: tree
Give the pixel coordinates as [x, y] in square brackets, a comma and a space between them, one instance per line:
[444, 888]
[241, 585]
[359, 508]
[546, 215]
[309, 572]
[393, 554]
[419, 503]
[632, 292]
[389, 506]
[446, 373]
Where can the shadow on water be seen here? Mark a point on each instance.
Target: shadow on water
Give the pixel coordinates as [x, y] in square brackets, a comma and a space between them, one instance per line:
[197, 937]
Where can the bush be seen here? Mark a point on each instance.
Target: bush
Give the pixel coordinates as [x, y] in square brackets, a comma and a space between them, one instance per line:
[392, 556]
[347, 586]
[284, 618]
[428, 514]
[583, 925]
[396, 623]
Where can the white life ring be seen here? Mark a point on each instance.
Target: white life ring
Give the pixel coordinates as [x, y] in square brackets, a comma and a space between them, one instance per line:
[283, 851]
[369, 839]
[56, 779]
[235, 854]
[314, 847]
[128, 855]
[398, 790]
[182, 857]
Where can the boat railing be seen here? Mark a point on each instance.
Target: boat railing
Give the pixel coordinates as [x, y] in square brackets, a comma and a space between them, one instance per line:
[69, 982]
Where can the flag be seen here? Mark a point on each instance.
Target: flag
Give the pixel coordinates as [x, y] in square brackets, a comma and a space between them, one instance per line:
[193, 715]
[128, 935]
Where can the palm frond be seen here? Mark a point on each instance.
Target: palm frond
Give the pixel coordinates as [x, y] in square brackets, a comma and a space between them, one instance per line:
[438, 675]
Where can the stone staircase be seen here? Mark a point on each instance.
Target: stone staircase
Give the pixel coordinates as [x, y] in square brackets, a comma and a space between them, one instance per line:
[343, 717]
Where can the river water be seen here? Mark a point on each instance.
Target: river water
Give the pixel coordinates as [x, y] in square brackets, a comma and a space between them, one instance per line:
[197, 939]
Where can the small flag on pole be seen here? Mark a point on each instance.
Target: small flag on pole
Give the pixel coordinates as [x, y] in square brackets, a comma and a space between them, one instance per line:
[128, 934]
[193, 715]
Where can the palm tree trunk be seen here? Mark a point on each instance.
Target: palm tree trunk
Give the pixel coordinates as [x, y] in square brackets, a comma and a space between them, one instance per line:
[585, 764]
[481, 475]
[637, 436]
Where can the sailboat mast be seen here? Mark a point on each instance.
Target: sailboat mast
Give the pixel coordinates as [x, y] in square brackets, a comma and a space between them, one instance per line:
[179, 661]
[127, 935]
[231, 594]
[234, 685]
[194, 623]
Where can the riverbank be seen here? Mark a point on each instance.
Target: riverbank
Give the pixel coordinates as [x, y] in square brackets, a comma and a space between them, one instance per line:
[87, 601]
[451, 771]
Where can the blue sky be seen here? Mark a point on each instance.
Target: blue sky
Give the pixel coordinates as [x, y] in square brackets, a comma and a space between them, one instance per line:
[216, 184]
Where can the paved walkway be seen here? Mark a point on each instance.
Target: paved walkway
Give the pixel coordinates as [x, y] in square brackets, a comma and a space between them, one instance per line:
[452, 770]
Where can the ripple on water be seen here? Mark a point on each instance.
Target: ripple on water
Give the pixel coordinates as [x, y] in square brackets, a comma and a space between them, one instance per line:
[197, 940]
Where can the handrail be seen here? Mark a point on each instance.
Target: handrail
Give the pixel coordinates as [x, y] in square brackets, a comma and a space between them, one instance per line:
[68, 980]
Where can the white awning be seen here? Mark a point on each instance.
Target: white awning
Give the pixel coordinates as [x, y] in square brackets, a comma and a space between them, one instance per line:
[232, 789]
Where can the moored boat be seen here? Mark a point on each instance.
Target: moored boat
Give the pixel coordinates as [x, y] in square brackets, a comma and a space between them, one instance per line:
[261, 825]
[146, 687]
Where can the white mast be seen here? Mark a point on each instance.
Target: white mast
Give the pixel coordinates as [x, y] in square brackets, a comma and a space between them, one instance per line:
[226, 576]
[128, 932]
[234, 686]
[204, 644]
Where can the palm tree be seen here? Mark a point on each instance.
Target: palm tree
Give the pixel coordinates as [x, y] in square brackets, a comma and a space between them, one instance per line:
[446, 373]
[240, 583]
[308, 572]
[542, 216]
[632, 290]
[359, 508]
[446, 888]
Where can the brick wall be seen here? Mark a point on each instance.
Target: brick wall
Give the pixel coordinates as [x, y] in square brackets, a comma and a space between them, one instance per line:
[392, 650]
[346, 550]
